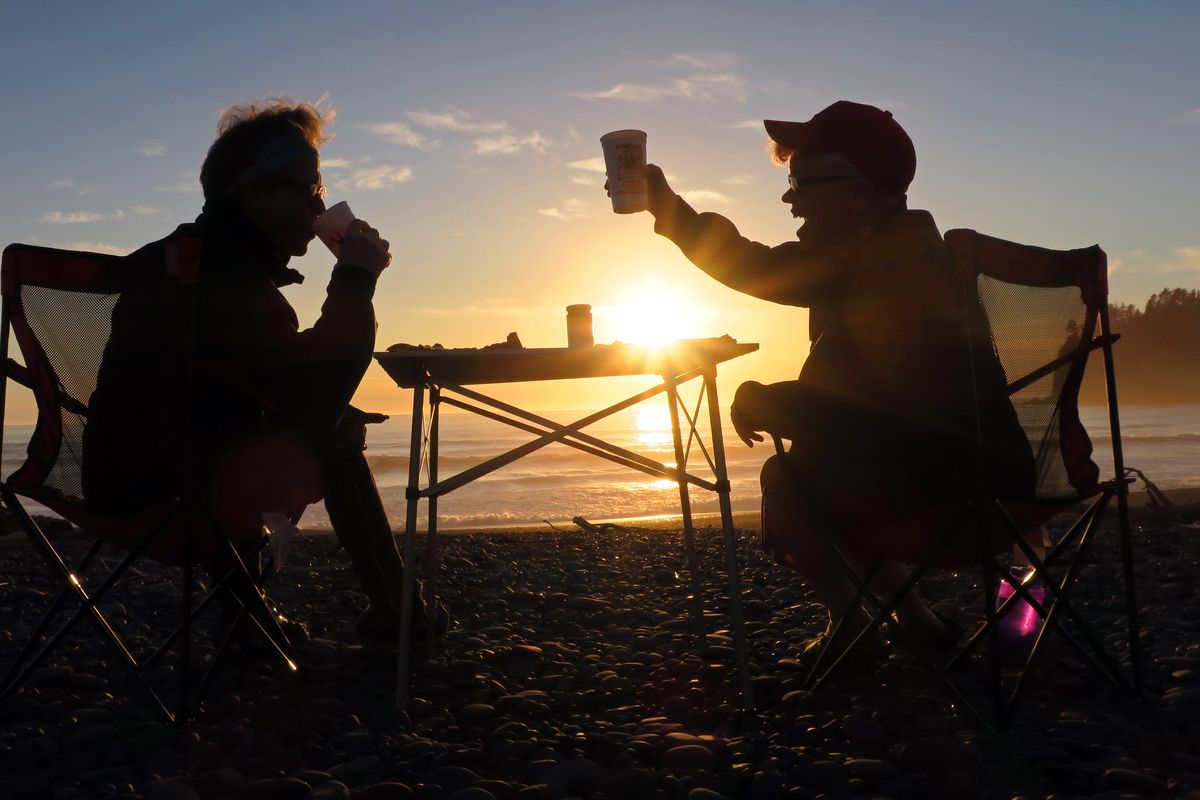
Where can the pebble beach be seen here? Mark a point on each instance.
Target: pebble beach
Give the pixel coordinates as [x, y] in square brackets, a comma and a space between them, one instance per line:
[571, 670]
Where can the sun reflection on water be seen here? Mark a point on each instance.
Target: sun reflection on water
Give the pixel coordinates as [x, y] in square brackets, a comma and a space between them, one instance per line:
[653, 426]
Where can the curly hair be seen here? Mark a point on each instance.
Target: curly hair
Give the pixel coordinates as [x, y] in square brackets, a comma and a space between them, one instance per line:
[245, 128]
[780, 153]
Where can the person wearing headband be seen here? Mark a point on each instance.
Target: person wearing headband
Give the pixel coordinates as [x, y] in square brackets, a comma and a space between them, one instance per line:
[881, 417]
[264, 404]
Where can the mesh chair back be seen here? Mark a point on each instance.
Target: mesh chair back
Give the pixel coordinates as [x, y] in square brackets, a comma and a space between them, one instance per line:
[59, 305]
[1038, 308]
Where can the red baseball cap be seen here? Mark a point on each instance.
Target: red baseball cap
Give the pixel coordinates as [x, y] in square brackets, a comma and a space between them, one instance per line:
[864, 135]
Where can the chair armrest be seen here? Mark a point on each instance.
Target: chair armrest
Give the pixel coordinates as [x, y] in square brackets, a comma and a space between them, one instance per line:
[17, 372]
[1046, 369]
[20, 374]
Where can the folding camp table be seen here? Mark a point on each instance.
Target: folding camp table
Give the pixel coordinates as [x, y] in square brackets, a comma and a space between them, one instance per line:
[441, 376]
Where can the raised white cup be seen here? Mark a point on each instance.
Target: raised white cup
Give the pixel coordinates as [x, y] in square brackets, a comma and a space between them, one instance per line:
[331, 226]
[625, 160]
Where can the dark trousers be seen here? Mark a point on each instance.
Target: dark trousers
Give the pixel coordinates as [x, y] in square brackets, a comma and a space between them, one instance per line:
[288, 470]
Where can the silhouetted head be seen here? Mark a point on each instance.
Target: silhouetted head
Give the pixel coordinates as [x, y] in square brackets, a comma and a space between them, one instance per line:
[865, 136]
[265, 163]
[848, 164]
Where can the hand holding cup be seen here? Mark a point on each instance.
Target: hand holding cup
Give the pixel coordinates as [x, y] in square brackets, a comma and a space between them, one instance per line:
[362, 246]
[658, 191]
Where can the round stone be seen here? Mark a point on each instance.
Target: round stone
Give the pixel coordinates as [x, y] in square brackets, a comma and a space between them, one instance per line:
[1133, 780]
[688, 756]
[329, 790]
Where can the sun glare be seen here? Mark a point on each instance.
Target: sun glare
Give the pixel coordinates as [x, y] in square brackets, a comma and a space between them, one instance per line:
[653, 426]
[652, 314]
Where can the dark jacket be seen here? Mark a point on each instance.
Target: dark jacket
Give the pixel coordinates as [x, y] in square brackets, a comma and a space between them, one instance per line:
[197, 364]
[884, 401]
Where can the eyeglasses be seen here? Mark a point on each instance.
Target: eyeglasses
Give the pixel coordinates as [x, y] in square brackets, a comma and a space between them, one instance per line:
[314, 191]
[797, 184]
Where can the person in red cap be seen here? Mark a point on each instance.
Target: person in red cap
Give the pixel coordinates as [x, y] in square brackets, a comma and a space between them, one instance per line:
[881, 419]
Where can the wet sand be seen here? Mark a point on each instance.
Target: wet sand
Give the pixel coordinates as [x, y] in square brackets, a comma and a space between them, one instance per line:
[570, 671]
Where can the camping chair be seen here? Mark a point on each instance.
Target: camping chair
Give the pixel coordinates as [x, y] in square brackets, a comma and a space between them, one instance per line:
[58, 304]
[1039, 310]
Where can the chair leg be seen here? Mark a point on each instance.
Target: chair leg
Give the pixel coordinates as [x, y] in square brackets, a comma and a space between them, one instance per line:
[220, 584]
[1058, 592]
[816, 676]
[1057, 551]
[954, 529]
[40, 630]
[87, 602]
[883, 615]
[995, 677]
[260, 613]
[1131, 609]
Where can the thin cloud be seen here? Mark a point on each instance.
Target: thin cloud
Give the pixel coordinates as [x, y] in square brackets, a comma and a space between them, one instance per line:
[704, 196]
[1183, 260]
[70, 217]
[69, 183]
[1122, 261]
[93, 247]
[707, 78]
[491, 137]
[589, 164]
[738, 180]
[750, 124]
[508, 144]
[380, 177]
[401, 133]
[699, 60]
[572, 208]
[152, 149]
[79, 217]
[630, 92]
[335, 163]
[453, 119]
[187, 183]
[1191, 117]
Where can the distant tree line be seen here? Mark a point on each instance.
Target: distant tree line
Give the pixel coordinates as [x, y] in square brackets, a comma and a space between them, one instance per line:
[1158, 355]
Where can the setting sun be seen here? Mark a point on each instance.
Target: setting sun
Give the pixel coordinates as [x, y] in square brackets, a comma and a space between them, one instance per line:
[652, 314]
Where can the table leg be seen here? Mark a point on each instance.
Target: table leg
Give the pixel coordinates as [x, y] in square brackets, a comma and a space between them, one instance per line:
[695, 605]
[731, 562]
[431, 555]
[412, 497]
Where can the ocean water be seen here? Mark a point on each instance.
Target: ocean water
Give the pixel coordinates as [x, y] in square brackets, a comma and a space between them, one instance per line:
[557, 482]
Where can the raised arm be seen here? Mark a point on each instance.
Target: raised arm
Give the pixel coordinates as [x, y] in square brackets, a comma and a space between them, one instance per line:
[786, 273]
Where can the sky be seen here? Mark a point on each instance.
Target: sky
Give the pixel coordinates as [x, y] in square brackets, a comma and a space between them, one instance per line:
[468, 134]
